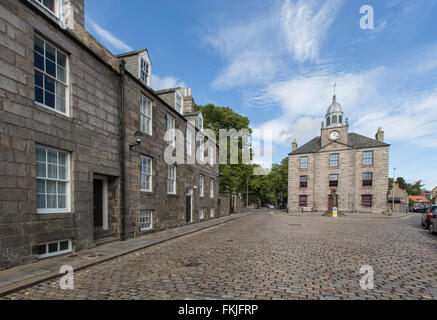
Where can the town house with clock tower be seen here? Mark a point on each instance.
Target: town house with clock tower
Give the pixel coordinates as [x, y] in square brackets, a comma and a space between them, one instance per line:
[339, 169]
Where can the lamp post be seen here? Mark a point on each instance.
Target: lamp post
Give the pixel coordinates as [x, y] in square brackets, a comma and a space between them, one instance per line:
[393, 191]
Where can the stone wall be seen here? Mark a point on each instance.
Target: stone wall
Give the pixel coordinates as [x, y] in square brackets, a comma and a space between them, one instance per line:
[350, 187]
[90, 134]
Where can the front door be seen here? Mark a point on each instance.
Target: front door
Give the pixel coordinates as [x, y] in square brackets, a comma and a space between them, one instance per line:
[188, 209]
[332, 203]
[98, 203]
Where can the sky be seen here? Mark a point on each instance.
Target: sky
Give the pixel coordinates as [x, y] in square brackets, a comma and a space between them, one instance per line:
[275, 61]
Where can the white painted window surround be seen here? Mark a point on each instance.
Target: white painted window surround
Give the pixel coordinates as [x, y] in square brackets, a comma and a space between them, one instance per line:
[146, 221]
[53, 180]
[54, 248]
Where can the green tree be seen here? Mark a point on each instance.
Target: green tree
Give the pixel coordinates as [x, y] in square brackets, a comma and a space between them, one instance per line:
[234, 177]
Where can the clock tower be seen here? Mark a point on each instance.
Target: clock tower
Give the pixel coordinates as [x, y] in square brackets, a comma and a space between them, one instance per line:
[336, 127]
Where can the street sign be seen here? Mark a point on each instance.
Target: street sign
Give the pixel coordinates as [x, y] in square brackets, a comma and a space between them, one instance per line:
[335, 212]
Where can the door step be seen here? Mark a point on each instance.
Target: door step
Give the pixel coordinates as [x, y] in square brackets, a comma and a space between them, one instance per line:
[105, 240]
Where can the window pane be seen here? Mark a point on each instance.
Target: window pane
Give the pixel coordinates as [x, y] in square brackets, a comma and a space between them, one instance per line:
[52, 156]
[51, 187]
[62, 188]
[60, 74]
[41, 250]
[49, 99]
[39, 79]
[62, 60]
[41, 186]
[62, 202]
[50, 68]
[39, 45]
[38, 61]
[51, 201]
[40, 201]
[63, 246]
[41, 169]
[39, 95]
[50, 4]
[50, 52]
[52, 172]
[53, 247]
[49, 84]
[62, 159]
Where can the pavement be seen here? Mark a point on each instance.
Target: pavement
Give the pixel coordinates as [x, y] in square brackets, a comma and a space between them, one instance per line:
[266, 256]
[14, 279]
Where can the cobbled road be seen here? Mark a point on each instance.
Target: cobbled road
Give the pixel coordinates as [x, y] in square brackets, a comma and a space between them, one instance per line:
[269, 256]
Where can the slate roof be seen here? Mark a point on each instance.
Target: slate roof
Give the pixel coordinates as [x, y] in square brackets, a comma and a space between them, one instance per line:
[356, 141]
[131, 53]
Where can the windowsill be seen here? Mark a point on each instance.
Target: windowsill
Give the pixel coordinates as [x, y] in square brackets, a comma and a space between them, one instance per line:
[146, 230]
[54, 254]
[336, 167]
[47, 12]
[367, 165]
[147, 191]
[46, 213]
[43, 107]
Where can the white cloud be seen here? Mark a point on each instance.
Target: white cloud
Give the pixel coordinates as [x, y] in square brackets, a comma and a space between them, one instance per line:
[159, 83]
[305, 24]
[367, 101]
[109, 39]
[258, 48]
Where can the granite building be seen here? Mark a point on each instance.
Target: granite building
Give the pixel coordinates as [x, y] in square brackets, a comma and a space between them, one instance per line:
[83, 140]
[339, 169]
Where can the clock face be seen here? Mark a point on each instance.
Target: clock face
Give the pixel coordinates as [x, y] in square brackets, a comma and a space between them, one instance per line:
[334, 135]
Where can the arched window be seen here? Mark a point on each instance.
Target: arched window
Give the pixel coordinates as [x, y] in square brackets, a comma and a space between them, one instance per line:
[340, 119]
[328, 121]
[334, 119]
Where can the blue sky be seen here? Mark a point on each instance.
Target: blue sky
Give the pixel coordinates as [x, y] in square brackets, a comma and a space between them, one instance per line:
[275, 62]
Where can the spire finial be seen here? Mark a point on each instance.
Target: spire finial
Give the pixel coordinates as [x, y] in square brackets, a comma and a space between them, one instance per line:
[335, 85]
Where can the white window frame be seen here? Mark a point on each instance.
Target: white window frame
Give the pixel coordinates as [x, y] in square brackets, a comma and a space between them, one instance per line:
[143, 215]
[172, 179]
[59, 4]
[200, 122]
[365, 159]
[202, 150]
[179, 98]
[211, 188]
[189, 142]
[302, 166]
[57, 253]
[55, 79]
[201, 214]
[146, 117]
[171, 125]
[211, 155]
[212, 213]
[144, 76]
[202, 186]
[144, 172]
[67, 181]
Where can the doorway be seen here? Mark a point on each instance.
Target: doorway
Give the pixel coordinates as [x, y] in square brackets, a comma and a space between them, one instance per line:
[332, 202]
[189, 207]
[100, 206]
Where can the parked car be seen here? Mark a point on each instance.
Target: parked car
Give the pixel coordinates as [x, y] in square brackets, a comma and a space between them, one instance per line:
[270, 206]
[422, 209]
[429, 219]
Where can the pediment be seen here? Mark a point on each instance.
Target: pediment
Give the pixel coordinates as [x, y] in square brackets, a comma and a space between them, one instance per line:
[334, 146]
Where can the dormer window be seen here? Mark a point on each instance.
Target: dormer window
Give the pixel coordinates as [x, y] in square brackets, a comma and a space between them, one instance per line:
[200, 122]
[52, 6]
[179, 102]
[145, 71]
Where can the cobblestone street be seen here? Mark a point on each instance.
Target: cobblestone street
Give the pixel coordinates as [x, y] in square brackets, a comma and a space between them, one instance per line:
[266, 256]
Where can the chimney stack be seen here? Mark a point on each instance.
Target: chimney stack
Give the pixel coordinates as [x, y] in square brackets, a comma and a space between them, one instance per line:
[294, 145]
[188, 101]
[380, 135]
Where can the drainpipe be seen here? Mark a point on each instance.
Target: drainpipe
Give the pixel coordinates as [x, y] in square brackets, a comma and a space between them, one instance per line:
[122, 157]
